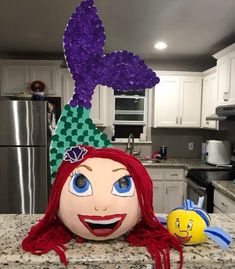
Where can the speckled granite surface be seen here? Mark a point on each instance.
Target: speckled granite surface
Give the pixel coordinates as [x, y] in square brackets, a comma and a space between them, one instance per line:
[180, 163]
[226, 187]
[112, 254]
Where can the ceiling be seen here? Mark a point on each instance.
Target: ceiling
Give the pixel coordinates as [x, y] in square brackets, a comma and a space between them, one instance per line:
[193, 29]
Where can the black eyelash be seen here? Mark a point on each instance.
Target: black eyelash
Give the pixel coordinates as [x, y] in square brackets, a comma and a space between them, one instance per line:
[73, 173]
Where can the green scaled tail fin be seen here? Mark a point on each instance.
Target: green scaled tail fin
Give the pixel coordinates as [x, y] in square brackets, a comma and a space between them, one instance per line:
[74, 127]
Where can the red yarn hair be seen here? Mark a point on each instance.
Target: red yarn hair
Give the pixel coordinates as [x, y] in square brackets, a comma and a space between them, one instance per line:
[50, 234]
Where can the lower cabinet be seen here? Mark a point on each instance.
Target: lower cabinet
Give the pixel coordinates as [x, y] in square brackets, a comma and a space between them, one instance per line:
[222, 203]
[168, 188]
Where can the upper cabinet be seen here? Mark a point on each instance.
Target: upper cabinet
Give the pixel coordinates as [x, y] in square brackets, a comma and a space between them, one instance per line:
[209, 98]
[225, 75]
[177, 100]
[16, 74]
[166, 102]
[99, 101]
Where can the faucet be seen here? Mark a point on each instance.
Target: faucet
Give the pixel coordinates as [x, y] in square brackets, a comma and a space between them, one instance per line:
[130, 144]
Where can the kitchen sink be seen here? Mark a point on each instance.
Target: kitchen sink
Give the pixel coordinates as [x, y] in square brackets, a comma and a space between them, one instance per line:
[149, 161]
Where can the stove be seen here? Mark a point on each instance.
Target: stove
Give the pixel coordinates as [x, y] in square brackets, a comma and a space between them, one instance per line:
[199, 183]
[205, 177]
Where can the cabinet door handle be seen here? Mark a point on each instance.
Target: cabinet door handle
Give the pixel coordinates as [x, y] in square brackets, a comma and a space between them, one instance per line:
[207, 122]
[225, 96]
[176, 120]
[174, 175]
[180, 120]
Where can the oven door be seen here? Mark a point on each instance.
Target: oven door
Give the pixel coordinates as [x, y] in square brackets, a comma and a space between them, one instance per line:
[195, 191]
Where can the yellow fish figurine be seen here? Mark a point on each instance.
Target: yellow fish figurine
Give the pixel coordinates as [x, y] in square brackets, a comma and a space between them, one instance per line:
[191, 225]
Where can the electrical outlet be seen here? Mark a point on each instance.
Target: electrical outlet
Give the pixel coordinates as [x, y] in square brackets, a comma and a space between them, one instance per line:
[190, 146]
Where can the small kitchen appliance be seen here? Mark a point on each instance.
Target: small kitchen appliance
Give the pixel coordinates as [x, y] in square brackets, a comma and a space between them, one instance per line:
[163, 152]
[218, 152]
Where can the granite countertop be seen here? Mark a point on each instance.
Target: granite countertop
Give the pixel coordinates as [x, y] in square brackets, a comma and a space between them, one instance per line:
[111, 254]
[179, 163]
[226, 187]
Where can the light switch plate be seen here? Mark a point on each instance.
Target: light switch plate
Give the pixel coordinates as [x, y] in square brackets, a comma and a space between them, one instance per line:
[190, 146]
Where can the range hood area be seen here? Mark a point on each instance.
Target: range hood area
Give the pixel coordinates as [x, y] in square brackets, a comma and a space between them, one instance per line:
[223, 113]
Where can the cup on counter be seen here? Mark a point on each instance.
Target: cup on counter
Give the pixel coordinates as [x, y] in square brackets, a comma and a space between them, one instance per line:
[163, 152]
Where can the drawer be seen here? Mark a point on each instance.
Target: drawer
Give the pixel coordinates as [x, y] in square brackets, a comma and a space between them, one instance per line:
[223, 203]
[156, 173]
[174, 174]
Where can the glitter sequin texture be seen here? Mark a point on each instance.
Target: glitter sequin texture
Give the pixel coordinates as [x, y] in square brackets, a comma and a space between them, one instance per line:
[84, 39]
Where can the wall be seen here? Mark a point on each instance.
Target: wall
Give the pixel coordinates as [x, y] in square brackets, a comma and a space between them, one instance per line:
[197, 64]
[177, 141]
[142, 149]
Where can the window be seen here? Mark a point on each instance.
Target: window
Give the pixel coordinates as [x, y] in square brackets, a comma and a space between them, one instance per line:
[129, 109]
[123, 131]
[129, 114]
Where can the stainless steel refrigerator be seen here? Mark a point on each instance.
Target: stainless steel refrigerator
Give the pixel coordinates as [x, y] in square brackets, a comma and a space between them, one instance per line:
[23, 156]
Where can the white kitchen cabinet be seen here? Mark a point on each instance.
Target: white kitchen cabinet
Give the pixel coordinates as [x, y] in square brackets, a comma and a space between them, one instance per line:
[158, 191]
[232, 77]
[177, 101]
[14, 79]
[225, 76]
[223, 203]
[174, 194]
[167, 100]
[209, 98]
[168, 188]
[16, 74]
[190, 101]
[99, 101]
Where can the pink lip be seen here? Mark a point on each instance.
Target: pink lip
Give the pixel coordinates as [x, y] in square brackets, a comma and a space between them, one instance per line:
[183, 239]
[107, 229]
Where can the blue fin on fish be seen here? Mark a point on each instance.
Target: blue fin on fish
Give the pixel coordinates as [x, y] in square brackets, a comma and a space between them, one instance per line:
[219, 236]
[188, 204]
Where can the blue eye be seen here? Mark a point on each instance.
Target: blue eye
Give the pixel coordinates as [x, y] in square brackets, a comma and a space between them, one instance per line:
[80, 185]
[124, 186]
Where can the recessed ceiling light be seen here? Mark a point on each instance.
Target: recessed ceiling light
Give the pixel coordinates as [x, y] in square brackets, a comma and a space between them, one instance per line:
[160, 45]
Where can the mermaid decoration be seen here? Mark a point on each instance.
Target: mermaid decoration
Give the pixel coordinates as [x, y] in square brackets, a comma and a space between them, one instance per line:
[84, 40]
[98, 192]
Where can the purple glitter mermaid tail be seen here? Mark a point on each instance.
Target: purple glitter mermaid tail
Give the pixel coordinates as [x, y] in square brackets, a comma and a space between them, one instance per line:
[123, 71]
[84, 39]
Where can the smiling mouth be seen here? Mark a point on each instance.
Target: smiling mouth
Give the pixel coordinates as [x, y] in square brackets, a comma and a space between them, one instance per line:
[183, 239]
[102, 225]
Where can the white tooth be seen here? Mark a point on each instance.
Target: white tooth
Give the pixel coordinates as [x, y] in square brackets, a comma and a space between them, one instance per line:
[110, 221]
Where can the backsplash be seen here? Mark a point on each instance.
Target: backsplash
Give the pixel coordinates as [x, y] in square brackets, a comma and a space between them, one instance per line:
[177, 141]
